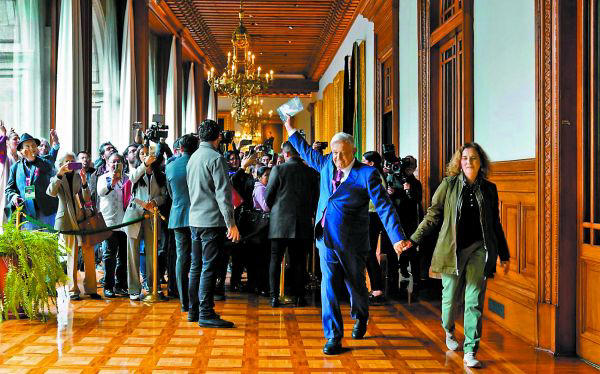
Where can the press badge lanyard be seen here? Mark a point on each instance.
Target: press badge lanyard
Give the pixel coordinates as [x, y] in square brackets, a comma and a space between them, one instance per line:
[29, 189]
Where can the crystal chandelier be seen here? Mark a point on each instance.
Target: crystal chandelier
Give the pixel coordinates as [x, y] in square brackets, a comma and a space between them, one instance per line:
[242, 79]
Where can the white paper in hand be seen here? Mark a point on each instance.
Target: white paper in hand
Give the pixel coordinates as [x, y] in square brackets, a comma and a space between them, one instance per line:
[291, 108]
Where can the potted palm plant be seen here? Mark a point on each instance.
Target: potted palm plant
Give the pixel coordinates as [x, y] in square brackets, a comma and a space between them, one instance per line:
[30, 271]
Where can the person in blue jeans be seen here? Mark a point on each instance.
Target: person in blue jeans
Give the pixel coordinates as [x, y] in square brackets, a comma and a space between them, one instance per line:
[211, 218]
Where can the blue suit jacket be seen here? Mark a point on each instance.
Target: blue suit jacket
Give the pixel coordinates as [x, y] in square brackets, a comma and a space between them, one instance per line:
[41, 171]
[176, 172]
[347, 209]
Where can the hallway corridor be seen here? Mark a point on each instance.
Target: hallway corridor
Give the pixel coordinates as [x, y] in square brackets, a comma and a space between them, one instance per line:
[119, 336]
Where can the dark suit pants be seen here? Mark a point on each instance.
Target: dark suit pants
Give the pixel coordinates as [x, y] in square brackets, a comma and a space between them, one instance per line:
[207, 248]
[373, 267]
[183, 243]
[297, 251]
[393, 276]
[338, 268]
[114, 256]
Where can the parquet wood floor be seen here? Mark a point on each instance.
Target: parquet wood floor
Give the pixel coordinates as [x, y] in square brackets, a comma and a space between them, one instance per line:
[120, 336]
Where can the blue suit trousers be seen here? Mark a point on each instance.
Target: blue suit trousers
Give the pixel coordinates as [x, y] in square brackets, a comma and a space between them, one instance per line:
[339, 268]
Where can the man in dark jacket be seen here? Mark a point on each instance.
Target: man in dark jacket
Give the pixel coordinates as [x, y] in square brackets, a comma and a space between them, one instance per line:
[290, 193]
[179, 217]
[27, 183]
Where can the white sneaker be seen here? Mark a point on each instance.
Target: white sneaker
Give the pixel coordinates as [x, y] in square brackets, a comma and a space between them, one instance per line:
[451, 342]
[471, 361]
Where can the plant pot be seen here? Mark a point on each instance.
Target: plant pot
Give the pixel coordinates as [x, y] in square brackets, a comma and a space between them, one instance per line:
[4, 263]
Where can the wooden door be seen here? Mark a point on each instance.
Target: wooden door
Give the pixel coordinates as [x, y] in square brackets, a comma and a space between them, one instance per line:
[588, 126]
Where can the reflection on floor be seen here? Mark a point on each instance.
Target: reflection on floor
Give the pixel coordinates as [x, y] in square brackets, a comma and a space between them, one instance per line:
[121, 336]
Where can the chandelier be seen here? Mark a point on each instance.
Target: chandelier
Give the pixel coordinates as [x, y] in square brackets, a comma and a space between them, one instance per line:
[251, 117]
[242, 79]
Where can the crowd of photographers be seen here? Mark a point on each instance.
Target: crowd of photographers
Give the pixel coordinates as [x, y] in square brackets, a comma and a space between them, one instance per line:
[266, 187]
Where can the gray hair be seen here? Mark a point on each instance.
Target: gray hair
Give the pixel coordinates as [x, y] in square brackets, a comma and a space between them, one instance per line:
[342, 137]
[62, 159]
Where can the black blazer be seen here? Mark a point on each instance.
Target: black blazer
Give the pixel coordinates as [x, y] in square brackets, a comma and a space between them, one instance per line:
[291, 194]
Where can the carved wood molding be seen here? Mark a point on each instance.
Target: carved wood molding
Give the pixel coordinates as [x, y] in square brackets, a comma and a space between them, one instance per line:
[424, 72]
[194, 22]
[548, 148]
[341, 16]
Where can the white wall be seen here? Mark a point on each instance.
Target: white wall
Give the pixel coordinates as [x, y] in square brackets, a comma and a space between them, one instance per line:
[504, 78]
[362, 29]
[408, 76]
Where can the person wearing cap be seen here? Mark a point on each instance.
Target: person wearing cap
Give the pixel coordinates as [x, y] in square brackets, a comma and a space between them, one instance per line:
[27, 183]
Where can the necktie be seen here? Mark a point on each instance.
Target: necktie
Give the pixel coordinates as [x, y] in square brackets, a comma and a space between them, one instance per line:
[336, 181]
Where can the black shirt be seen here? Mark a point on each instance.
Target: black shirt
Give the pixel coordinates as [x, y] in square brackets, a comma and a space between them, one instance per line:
[468, 230]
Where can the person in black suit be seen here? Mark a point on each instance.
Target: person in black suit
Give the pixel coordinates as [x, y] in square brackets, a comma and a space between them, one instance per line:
[290, 193]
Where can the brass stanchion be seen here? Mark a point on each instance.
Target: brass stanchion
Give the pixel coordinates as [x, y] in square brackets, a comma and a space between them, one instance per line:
[282, 297]
[154, 296]
[18, 220]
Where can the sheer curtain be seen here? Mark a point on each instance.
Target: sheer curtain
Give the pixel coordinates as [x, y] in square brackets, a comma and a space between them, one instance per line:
[69, 85]
[170, 105]
[27, 105]
[152, 56]
[110, 79]
[190, 113]
[128, 105]
[212, 106]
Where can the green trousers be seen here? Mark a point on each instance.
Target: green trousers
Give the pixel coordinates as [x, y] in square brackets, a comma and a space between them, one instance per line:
[471, 283]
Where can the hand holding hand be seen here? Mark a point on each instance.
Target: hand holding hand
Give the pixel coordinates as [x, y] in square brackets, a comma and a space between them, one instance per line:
[150, 205]
[233, 234]
[402, 246]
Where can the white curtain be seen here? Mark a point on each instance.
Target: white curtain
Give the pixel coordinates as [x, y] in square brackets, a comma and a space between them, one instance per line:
[69, 86]
[27, 109]
[171, 105]
[128, 105]
[190, 113]
[111, 129]
[212, 106]
[152, 56]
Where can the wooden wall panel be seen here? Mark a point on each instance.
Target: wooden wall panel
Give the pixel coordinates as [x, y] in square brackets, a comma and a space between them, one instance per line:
[516, 290]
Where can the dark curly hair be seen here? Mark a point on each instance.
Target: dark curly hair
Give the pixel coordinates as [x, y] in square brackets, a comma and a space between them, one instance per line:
[208, 130]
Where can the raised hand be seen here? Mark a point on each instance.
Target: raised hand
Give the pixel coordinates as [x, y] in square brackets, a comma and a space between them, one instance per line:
[83, 176]
[2, 129]
[53, 137]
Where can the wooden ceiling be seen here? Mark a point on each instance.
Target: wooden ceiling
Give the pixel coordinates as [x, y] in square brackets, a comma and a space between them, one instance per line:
[287, 36]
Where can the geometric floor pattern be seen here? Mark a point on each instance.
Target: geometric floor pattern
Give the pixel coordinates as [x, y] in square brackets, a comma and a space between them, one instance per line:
[120, 336]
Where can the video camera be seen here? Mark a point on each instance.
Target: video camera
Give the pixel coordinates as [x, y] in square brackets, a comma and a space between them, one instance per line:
[227, 136]
[322, 146]
[397, 167]
[157, 129]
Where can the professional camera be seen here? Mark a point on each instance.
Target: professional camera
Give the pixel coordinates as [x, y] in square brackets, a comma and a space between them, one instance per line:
[157, 129]
[397, 167]
[227, 136]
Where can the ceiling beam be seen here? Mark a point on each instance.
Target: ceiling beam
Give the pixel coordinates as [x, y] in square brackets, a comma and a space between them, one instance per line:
[283, 86]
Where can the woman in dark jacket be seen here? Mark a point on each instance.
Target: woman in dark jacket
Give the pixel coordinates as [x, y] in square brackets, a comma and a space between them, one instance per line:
[469, 242]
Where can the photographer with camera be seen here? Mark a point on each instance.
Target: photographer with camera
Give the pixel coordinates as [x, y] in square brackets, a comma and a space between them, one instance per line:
[406, 192]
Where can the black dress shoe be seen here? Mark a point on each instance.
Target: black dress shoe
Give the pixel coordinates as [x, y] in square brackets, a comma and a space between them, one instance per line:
[184, 309]
[214, 323]
[300, 302]
[360, 328]
[219, 297]
[109, 294]
[192, 316]
[75, 297]
[163, 297]
[95, 296]
[333, 347]
[275, 302]
[121, 292]
[376, 300]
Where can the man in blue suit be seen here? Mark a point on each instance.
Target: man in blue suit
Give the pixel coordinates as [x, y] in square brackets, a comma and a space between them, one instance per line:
[342, 230]
[176, 172]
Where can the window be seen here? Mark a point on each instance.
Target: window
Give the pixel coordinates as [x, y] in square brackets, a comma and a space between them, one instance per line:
[24, 66]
